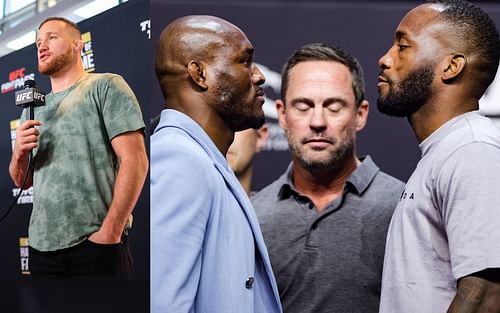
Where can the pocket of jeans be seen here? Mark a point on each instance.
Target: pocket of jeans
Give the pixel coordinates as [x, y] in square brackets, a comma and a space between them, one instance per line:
[103, 245]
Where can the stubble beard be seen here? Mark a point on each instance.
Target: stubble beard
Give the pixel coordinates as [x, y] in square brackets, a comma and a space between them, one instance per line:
[233, 109]
[54, 66]
[335, 159]
[409, 95]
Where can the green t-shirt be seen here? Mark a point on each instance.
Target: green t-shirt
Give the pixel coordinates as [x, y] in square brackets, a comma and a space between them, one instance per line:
[75, 165]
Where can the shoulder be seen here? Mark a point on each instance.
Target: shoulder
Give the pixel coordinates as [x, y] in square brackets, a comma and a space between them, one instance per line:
[383, 191]
[388, 182]
[182, 174]
[104, 76]
[176, 143]
[382, 182]
[473, 144]
[473, 160]
[109, 81]
[473, 128]
[266, 199]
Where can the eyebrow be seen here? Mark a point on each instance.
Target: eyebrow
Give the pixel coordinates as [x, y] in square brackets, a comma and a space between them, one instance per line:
[249, 51]
[48, 33]
[327, 101]
[400, 34]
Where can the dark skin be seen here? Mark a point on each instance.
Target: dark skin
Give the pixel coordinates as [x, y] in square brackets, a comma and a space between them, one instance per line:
[193, 54]
[478, 292]
[422, 37]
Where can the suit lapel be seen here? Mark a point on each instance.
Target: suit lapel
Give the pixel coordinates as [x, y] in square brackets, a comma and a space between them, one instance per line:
[242, 198]
[248, 210]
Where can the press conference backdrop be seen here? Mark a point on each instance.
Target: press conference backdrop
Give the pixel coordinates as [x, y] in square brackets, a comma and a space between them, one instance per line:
[277, 28]
[115, 41]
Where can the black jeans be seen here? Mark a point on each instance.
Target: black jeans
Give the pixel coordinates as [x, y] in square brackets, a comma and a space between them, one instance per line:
[87, 259]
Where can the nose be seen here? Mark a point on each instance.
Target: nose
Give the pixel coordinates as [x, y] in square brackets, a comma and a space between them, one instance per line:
[257, 76]
[317, 121]
[42, 46]
[385, 61]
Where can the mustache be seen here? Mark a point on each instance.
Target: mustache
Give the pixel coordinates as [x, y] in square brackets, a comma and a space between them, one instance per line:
[318, 138]
[259, 91]
[383, 77]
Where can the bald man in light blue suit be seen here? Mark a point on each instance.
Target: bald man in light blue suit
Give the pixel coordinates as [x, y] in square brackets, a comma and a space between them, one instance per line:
[207, 251]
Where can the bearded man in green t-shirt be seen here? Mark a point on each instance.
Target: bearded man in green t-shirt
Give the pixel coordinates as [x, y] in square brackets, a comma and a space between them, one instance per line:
[89, 162]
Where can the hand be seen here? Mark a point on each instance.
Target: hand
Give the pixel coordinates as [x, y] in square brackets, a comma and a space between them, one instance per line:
[102, 237]
[26, 138]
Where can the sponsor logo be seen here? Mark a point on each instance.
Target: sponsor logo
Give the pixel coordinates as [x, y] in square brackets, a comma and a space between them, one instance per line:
[13, 126]
[88, 52]
[406, 195]
[146, 27]
[27, 95]
[16, 80]
[24, 254]
[26, 196]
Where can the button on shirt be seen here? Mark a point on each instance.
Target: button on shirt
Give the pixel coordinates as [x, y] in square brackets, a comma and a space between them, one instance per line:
[327, 261]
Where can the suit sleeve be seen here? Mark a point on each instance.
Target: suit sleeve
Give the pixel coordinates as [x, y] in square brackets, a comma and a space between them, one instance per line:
[180, 208]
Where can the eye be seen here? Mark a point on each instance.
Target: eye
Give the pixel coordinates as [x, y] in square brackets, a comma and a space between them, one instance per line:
[334, 107]
[247, 61]
[301, 106]
[401, 47]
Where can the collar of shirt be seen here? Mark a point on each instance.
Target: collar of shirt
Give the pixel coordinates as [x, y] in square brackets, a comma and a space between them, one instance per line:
[357, 183]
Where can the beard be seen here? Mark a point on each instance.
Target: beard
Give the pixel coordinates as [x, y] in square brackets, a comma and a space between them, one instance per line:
[234, 107]
[55, 65]
[334, 159]
[408, 95]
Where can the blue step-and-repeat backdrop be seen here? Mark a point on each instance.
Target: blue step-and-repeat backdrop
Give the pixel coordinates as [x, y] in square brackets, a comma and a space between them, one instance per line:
[277, 28]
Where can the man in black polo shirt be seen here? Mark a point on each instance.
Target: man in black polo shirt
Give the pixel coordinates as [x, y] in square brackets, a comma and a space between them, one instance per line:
[325, 219]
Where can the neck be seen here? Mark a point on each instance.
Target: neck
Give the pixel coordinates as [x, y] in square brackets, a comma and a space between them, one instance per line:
[322, 186]
[65, 78]
[433, 115]
[207, 118]
[245, 179]
[220, 134]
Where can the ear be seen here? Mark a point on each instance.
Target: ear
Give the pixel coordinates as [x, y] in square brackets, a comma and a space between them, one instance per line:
[280, 108]
[198, 74]
[454, 67]
[262, 135]
[362, 115]
[78, 45]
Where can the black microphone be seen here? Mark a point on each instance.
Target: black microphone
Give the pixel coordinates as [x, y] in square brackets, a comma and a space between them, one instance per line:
[30, 97]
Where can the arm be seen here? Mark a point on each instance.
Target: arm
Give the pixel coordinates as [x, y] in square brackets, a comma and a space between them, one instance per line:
[131, 152]
[478, 293]
[470, 212]
[26, 140]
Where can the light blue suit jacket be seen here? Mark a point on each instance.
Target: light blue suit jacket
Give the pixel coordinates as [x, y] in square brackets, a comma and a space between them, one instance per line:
[207, 251]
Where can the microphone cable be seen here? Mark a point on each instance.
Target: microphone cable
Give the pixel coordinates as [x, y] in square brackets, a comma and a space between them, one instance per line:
[37, 98]
[25, 179]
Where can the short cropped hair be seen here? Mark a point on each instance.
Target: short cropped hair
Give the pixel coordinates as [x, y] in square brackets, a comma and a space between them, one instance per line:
[324, 52]
[478, 34]
[61, 19]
